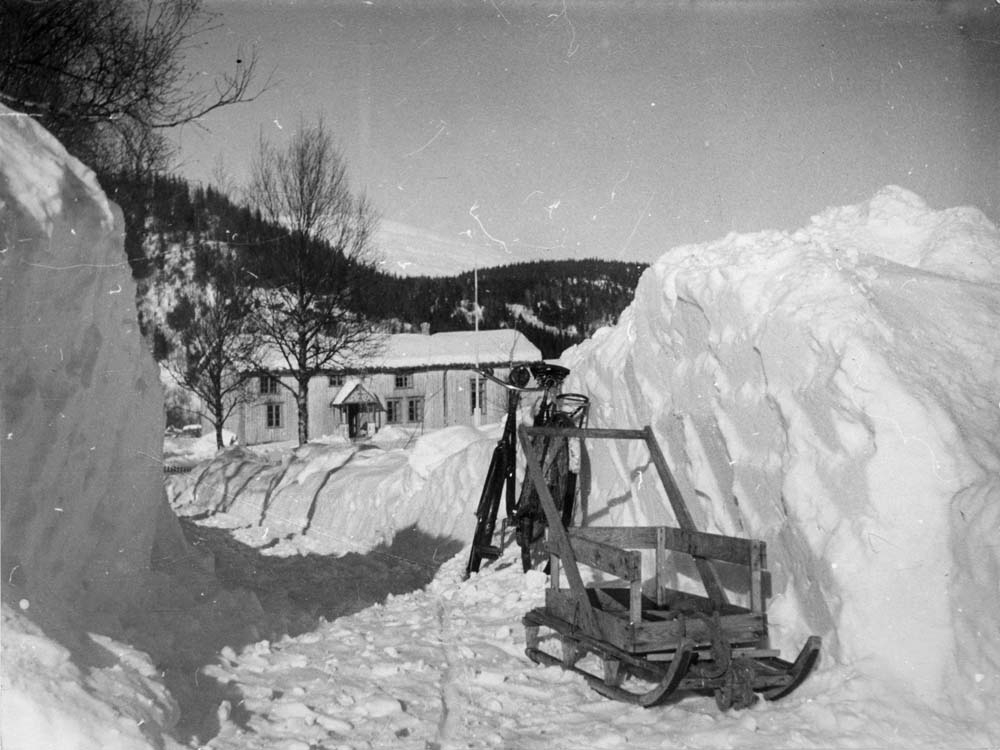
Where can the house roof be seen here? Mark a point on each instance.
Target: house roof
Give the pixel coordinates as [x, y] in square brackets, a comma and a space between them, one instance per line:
[451, 349]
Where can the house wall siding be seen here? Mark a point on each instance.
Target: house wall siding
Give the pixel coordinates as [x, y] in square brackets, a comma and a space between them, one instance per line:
[250, 423]
[446, 395]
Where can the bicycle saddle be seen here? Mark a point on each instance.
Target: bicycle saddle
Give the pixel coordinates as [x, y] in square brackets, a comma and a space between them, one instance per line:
[548, 375]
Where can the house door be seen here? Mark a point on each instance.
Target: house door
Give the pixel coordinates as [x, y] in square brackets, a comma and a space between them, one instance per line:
[353, 420]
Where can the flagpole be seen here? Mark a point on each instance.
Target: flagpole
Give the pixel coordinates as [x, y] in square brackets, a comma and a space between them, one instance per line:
[477, 413]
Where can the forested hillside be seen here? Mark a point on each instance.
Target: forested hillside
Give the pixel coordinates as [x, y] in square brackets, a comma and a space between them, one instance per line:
[555, 303]
[161, 209]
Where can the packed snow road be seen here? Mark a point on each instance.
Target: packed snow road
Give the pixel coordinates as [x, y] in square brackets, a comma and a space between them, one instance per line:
[445, 668]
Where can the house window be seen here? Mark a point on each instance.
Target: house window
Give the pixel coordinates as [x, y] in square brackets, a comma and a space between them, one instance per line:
[404, 380]
[273, 416]
[477, 395]
[394, 411]
[268, 385]
[415, 410]
[336, 380]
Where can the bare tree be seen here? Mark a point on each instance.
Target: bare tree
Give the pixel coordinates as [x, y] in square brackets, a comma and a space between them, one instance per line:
[95, 71]
[312, 277]
[211, 329]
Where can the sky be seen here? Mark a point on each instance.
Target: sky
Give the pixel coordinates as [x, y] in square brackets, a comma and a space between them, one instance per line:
[563, 129]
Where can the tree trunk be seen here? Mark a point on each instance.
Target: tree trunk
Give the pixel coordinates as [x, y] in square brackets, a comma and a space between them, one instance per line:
[218, 417]
[302, 402]
[218, 407]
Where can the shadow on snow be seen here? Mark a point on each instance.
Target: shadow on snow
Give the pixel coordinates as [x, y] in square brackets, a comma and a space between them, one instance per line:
[291, 596]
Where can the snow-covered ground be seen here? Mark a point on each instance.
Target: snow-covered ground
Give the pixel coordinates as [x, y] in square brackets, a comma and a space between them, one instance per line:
[444, 668]
[834, 391]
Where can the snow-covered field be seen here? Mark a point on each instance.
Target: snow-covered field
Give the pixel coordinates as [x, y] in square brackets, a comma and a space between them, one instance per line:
[834, 391]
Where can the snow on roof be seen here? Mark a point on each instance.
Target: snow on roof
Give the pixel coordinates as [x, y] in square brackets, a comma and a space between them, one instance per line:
[492, 347]
[352, 392]
[413, 351]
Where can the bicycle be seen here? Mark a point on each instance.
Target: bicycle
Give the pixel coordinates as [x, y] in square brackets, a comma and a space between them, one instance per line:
[524, 513]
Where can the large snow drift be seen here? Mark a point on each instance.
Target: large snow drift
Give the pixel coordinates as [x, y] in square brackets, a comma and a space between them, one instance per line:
[82, 485]
[82, 407]
[833, 391]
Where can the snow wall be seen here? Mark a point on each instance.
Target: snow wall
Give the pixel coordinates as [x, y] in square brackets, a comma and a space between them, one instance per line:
[835, 392]
[82, 480]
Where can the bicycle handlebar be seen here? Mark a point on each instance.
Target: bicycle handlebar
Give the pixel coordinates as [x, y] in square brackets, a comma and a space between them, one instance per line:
[508, 386]
[547, 375]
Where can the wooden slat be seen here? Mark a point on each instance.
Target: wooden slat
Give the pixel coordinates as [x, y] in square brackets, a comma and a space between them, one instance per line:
[557, 533]
[758, 603]
[625, 564]
[657, 636]
[765, 585]
[719, 547]
[661, 564]
[611, 627]
[743, 628]
[683, 601]
[586, 432]
[701, 544]
[628, 537]
[635, 601]
[709, 576]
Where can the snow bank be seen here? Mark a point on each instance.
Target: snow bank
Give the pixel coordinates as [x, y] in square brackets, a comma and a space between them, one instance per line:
[82, 407]
[83, 504]
[833, 391]
[115, 702]
[334, 499]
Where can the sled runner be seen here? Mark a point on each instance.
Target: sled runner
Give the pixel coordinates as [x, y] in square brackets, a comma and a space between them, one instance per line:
[716, 642]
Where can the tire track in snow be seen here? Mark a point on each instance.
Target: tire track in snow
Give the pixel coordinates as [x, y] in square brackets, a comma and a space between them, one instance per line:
[448, 691]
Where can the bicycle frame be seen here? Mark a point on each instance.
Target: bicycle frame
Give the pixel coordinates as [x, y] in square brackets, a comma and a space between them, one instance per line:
[501, 477]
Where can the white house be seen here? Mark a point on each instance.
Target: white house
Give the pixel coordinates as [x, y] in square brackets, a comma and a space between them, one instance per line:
[421, 381]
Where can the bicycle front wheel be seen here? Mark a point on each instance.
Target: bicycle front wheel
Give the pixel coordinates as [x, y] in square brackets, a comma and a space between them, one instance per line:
[529, 517]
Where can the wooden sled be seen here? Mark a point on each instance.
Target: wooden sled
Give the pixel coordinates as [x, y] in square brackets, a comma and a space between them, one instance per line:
[676, 640]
